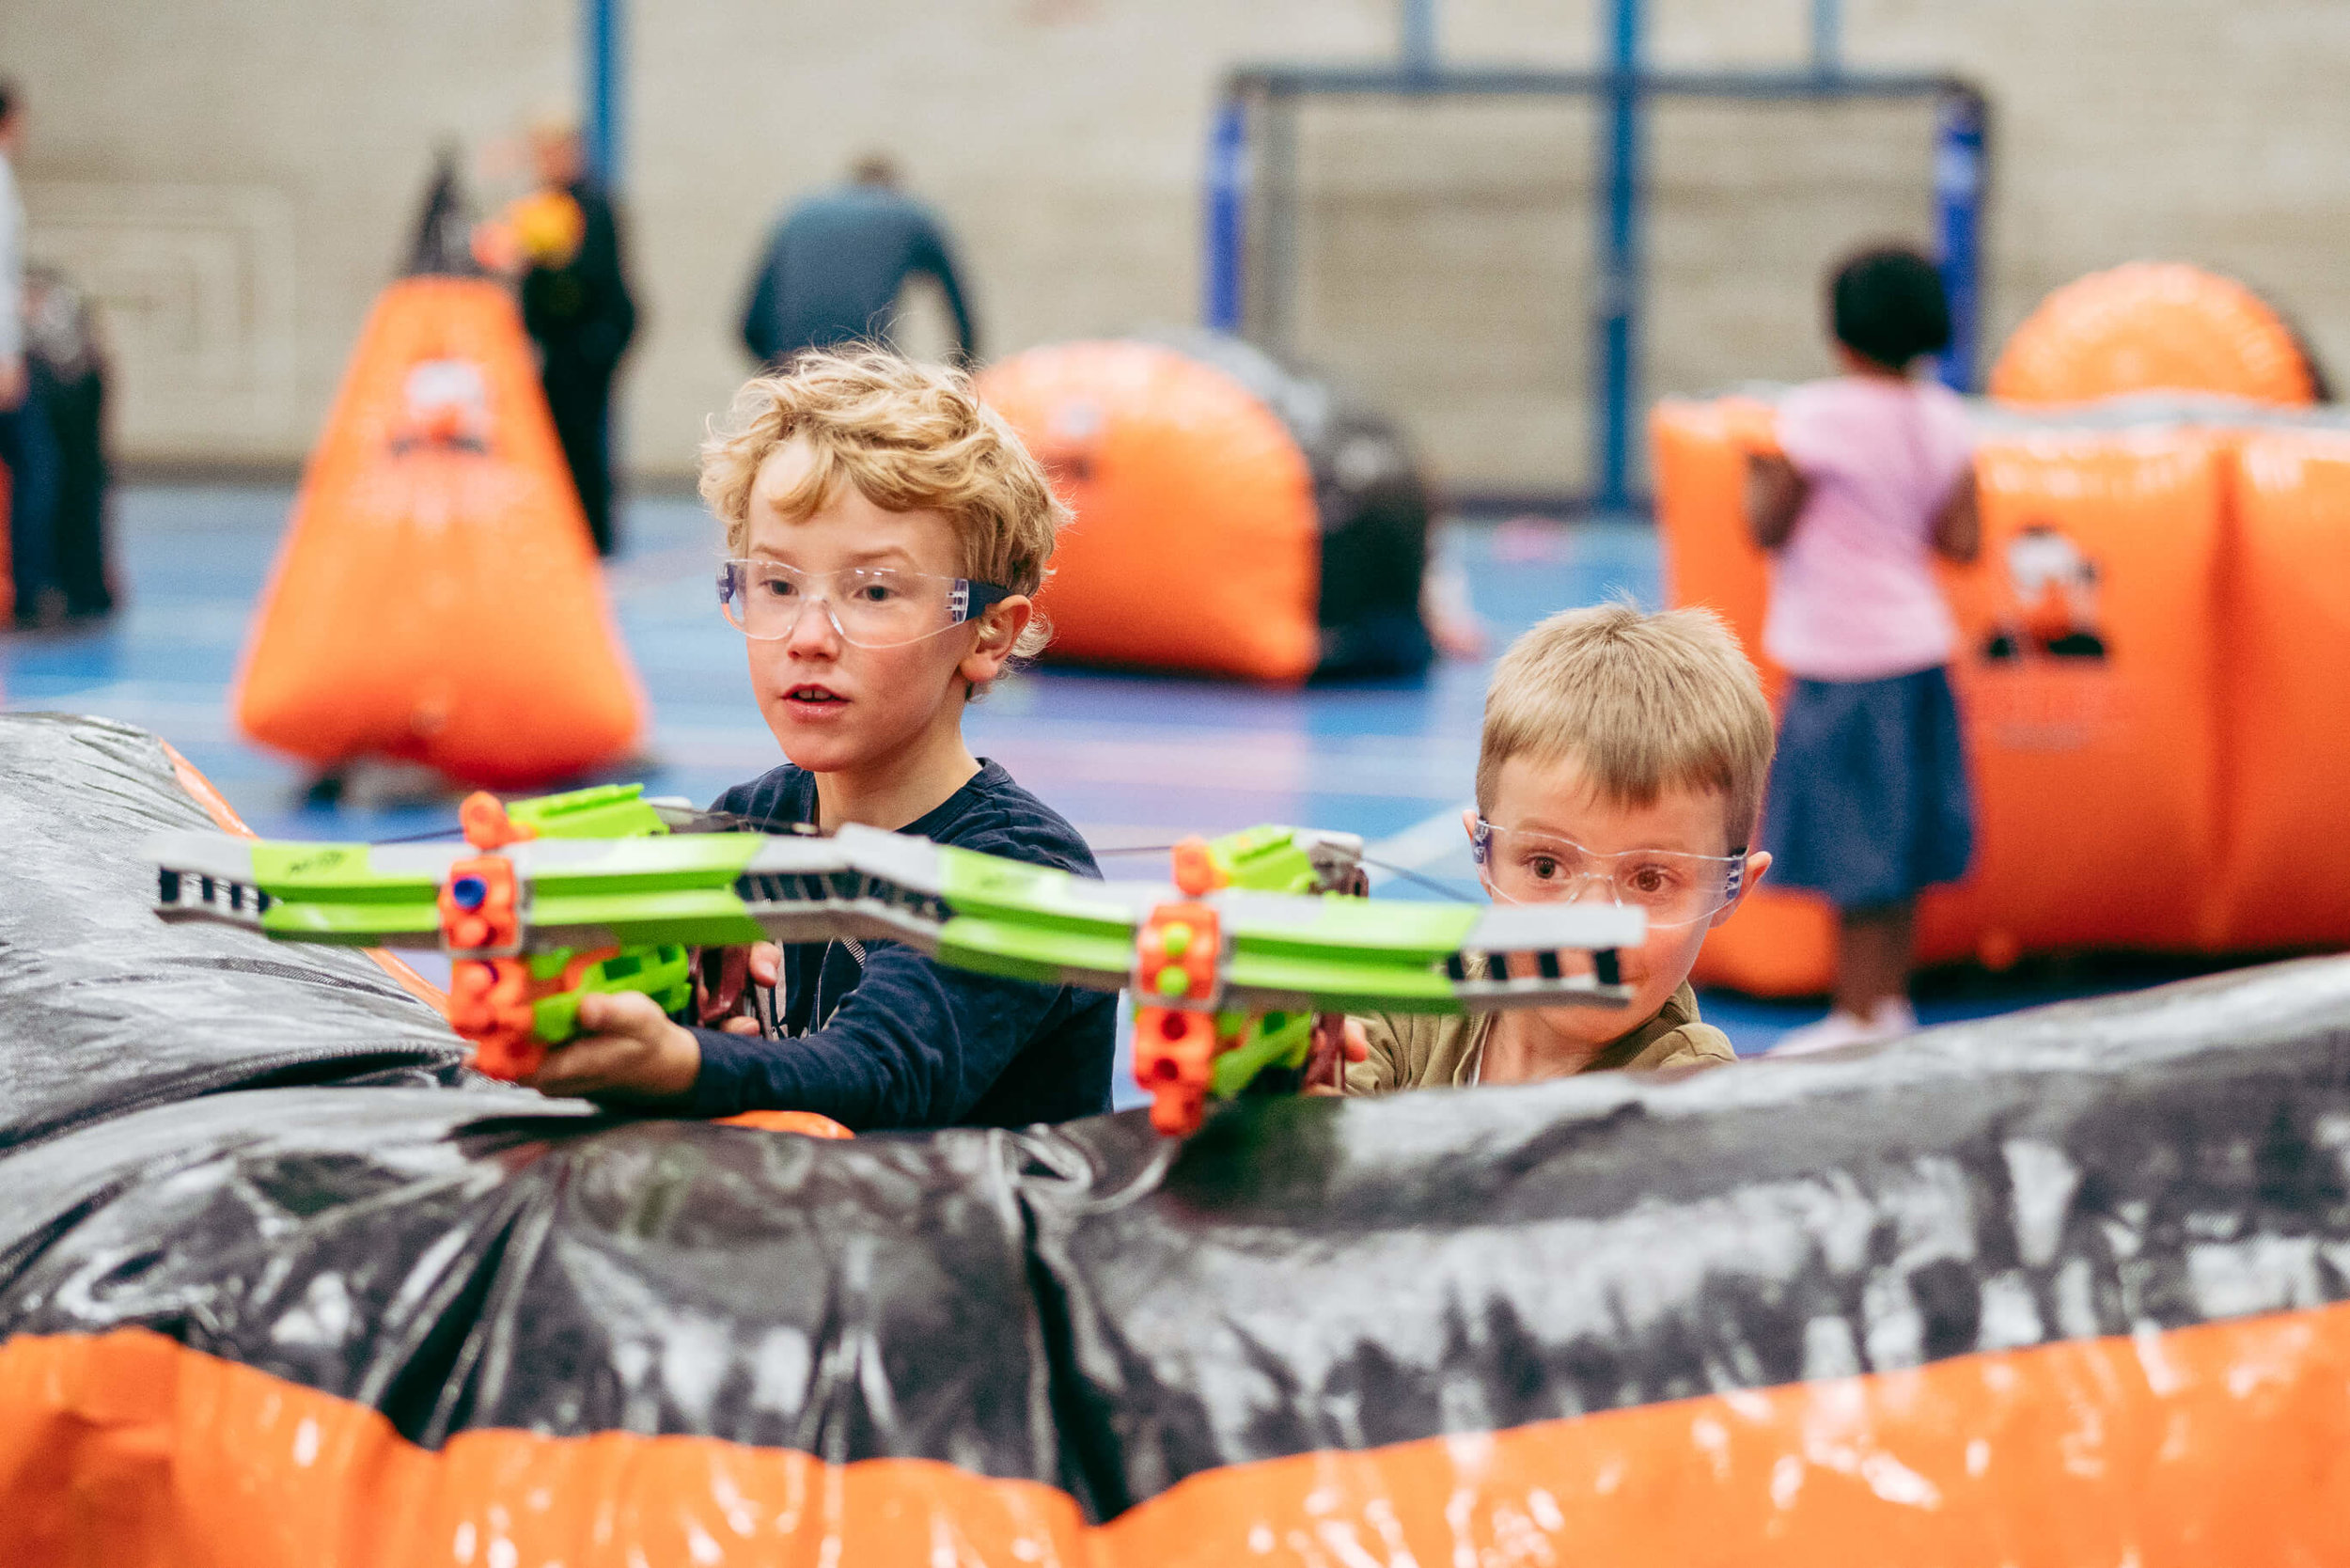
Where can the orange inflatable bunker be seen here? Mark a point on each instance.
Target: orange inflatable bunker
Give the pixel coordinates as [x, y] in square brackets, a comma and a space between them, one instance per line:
[2146, 667]
[2284, 870]
[1197, 544]
[2154, 326]
[438, 599]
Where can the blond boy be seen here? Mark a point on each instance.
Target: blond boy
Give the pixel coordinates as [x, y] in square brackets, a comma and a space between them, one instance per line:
[885, 533]
[1622, 758]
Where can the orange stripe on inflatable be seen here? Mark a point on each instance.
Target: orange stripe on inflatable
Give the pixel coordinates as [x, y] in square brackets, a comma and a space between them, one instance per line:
[2223, 1443]
[131, 1451]
[216, 806]
[807, 1122]
[2228, 1442]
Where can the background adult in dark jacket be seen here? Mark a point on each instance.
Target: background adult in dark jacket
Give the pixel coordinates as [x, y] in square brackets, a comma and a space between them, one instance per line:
[576, 307]
[835, 265]
[68, 368]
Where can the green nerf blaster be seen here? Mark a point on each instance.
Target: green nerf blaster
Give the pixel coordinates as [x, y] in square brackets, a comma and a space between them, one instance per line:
[603, 890]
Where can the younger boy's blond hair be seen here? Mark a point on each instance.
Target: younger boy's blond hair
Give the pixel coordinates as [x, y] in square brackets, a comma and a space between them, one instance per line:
[1642, 702]
[911, 438]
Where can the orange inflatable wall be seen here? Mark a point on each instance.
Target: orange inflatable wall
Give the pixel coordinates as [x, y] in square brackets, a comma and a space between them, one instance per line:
[2087, 670]
[1197, 544]
[2153, 326]
[437, 598]
[2284, 879]
[2149, 644]
[128, 1449]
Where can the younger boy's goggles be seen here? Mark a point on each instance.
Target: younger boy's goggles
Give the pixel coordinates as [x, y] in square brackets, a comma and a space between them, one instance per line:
[870, 606]
[1675, 889]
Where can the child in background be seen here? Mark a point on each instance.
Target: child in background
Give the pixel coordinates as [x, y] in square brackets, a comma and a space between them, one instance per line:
[886, 530]
[1622, 760]
[1868, 799]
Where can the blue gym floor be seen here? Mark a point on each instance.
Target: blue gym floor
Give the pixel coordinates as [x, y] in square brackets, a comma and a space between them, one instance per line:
[1132, 759]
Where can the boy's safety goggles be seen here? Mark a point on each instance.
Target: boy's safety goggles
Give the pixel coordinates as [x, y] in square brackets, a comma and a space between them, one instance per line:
[870, 606]
[1675, 889]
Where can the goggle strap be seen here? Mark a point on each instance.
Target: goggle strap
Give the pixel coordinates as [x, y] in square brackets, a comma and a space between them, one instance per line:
[968, 598]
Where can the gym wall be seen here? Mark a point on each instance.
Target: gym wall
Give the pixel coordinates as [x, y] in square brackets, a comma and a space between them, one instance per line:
[236, 181]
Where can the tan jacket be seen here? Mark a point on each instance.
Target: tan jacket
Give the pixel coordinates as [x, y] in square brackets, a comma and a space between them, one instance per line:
[1419, 1050]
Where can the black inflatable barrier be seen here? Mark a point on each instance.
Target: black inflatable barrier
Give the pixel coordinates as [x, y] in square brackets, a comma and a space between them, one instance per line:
[1373, 498]
[2061, 1287]
[105, 1009]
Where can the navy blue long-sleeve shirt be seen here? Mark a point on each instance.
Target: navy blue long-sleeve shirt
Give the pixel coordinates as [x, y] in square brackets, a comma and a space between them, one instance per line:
[881, 1036]
[833, 268]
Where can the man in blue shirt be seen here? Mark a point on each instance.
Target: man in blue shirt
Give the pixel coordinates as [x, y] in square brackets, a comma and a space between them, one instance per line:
[835, 266]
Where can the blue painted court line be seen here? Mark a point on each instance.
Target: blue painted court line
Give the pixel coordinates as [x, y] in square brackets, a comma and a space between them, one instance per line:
[1130, 759]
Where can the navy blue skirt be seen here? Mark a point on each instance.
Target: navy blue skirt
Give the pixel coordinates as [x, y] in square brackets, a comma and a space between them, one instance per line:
[1867, 801]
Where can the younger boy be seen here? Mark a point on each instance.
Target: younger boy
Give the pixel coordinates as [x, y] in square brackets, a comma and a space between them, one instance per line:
[1622, 759]
[886, 530]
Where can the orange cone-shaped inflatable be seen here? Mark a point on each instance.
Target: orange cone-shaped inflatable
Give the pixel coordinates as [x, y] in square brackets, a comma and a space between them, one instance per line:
[438, 599]
[1197, 545]
[2153, 326]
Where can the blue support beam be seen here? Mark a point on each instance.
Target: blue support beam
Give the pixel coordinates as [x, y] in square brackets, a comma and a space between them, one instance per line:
[1958, 188]
[1759, 86]
[1828, 36]
[602, 32]
[1415, 36]
[1617, 387]
[1261, 100]
[1223, 275]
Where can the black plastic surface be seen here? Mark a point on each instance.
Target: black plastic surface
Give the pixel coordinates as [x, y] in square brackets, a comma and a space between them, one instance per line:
[1092, 1305]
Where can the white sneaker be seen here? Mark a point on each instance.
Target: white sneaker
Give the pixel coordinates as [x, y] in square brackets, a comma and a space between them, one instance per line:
[1893, 1018]
[1890, 1019]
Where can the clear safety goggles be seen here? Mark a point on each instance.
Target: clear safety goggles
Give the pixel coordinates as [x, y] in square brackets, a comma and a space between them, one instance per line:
[1672, 888]
[870, 606]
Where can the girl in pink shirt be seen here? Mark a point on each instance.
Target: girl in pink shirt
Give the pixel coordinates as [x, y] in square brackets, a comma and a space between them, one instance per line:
[1868, 799]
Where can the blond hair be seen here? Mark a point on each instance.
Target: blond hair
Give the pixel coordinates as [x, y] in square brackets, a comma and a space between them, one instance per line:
[911, 438]
[1642, 702]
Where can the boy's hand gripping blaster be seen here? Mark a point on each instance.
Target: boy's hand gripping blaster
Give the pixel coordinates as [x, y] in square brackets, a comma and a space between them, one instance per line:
[593, 891]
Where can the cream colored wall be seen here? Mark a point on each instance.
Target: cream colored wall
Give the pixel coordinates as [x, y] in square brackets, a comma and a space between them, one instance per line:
[1060, 139]
[236, 180]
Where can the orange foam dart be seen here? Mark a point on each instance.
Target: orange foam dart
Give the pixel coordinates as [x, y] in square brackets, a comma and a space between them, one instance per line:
[1175, 1033]
[486, 825]
[488, 1004]
[1175, 986]
[1196, 871]
[489, 1000]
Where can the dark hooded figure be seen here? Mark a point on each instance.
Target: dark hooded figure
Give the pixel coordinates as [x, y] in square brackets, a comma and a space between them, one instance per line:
[576, 307]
